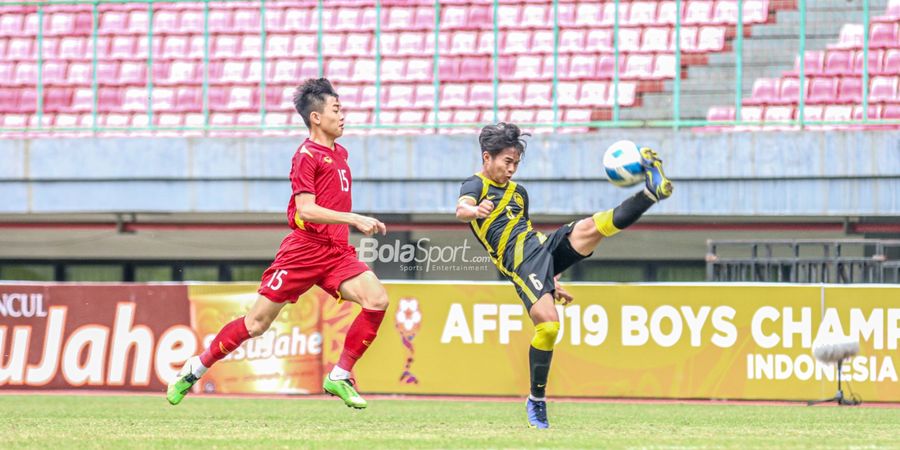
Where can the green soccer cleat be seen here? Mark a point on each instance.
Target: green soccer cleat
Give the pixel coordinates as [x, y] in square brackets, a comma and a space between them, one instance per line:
[344, 390]
[179, 387]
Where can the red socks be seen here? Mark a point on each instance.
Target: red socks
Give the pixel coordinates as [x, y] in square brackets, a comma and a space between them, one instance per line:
[230, 337]
[359, 337]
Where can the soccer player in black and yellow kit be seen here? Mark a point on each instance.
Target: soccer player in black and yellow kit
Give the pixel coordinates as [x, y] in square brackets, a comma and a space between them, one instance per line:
[497, 210]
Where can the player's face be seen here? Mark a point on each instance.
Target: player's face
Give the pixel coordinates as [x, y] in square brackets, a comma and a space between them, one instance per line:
[501, 168]
[331, 119]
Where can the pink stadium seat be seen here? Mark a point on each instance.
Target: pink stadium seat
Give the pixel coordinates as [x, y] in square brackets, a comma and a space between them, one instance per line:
[519, 115]
[664, 66]
[112, 22]
[170, 120]
[221, 119]
[884, 89]
[698, 12]
[575, 115]
[725, 12]
[571, 41]
[567, 93]
[80, 73]
[304, 45]
[26, 74]
[278, 46]
[453, 95]
[333, 44]
[359, 44]
[756, 11]
[400, 96]
[510, 94]
[516, 42]
[536, 16]
[190, 21]
[298, 19]
[454, 16]
[137, 22]
[286, 71]
[588, 14]
[720, 114]
[411, 43]
[420, 69]
[836, 113]
[582, 67]
[688, 39]
[838, 62]
[60, 24]
[424, 18]
[163, 99]
[883, 35]
[274, 19]
[537, 95]
[751, 113]
[174, 46]
[823, 90]
[463, 42]
[424, 96]
[233, 71]
[467, 116]
[508, 15]
[630, 39]
[364, 71]
[627, 94]
[642, 13]
[11, 24]
[479, 17]
[813, 113]
[891, 112]
[711, 39]
[778, 114]
[220, 20]
[166, 21]
[20, 48]
[850, 90]
[189, 99]
[134, 99]
[874, 112]
[876, 58]
[251, 47]
[7, 69]
[891, 62]
[56, 99]
[593, 93]
[790, 90]
[485, 43]
[226, 46]
[339, 69]
[393, 69]
[475, 69]
[609, 13]
[54, 72]
[481, 95]
[606, 65]
[567, 13]
[50, 47]
[666, 14]
[547, 69]
[343, 18]
[239, 98]
[246, 21]
[638, 67]
[400, 18]
[542, 41]
[527, 68]
[656, 40]
[598, 40]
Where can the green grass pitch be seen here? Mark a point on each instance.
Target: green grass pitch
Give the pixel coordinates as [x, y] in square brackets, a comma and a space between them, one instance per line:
[100, 421]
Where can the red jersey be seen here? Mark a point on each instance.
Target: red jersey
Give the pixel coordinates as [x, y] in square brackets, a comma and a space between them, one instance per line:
[324, 172]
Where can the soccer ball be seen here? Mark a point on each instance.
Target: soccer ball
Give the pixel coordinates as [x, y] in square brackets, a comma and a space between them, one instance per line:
[622, 162]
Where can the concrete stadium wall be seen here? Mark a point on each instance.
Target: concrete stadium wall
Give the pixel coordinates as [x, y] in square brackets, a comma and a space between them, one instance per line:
[736, 174]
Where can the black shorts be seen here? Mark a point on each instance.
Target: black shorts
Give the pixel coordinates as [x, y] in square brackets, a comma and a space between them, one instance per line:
[541, 262]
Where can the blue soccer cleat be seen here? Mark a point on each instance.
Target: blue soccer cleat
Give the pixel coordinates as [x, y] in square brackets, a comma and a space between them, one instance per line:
[537, 414]
[656, 181]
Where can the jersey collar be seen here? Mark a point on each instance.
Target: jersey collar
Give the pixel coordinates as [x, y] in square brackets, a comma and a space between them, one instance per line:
[491, 182]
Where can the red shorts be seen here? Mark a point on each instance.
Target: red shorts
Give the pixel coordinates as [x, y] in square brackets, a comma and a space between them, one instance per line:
[304, 261]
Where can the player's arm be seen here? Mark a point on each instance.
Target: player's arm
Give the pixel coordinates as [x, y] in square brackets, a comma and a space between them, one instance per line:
[309, 211]
[467, 211]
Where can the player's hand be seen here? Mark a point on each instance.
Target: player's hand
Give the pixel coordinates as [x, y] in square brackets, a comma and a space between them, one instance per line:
[369, 226]
[484, 209]
[562, 295]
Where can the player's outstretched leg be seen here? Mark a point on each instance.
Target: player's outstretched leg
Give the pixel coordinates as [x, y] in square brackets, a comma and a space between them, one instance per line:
[229, 338]
[367, 291]
[540, 354]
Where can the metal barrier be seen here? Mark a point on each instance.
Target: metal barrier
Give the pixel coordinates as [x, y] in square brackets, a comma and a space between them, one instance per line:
[804, 261]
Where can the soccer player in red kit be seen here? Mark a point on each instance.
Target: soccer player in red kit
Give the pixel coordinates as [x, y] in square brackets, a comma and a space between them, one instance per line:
[315, 253]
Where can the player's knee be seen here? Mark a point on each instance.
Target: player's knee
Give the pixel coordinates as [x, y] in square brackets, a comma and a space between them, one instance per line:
[376, 300]
[256, 326]
[545, 334]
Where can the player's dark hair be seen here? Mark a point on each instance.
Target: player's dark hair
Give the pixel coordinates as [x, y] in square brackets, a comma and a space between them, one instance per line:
[495, 138]
[311, 95]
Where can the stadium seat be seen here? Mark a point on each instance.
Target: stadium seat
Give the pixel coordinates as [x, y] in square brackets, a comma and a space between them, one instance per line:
[790, 90]
[424, 18]
[286, 71]
[339, 69]
[537, 95]
[593, 93]
[57, 99]
[656, 40]
[567, 93]
[751, 113]
[509, 15]
[246, 21]
[510, 94]
[332, 44]
[665, 13]
[883, 35]
[850, 90]
[891, 64]
[527, 68]
[463, 42]
[698, 12]
[481, 95]
[598, 40]
[54, 72]
[411, 43]
[638, 67]
[823, 90]
[720, 114]
[813, 113]
[535, 16]
[166, 21]
[364, 71]
[664, 66]
[838, 62]
[424, 97]
[837, 113]
[891, 112]
[80, 73]
[851, 36]
[688, 40]
[876, 58]
[400, 96]
[225, 46]
[134, 99]
[454, 17]
[25, 74]
[642, 13]
[711, 39]
[519, 115]
[393, 69]
[756, 11]
[571, 41]
[627, 93]
[606, 66]
[814, 62]
[164, 99]
[884, 89]
[516, 42]
[420, 69]
[875, 111]
[582, 67]
[588, 14]
[453, 95]
[562, 66]
[304, 46]
[298, 19]
[11, 24]
[221, 20]
[251, 47]
[233, 71]
[630, 39]
[608, 17]
[778, 114]
[475, 69]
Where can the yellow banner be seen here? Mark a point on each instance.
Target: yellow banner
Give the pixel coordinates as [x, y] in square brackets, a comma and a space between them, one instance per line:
[666, 341]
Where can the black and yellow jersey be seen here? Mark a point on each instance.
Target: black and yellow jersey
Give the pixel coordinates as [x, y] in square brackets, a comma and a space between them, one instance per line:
[505, 231]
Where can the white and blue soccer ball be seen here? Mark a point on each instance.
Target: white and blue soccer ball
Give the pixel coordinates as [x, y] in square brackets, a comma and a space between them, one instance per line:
[622, 162]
